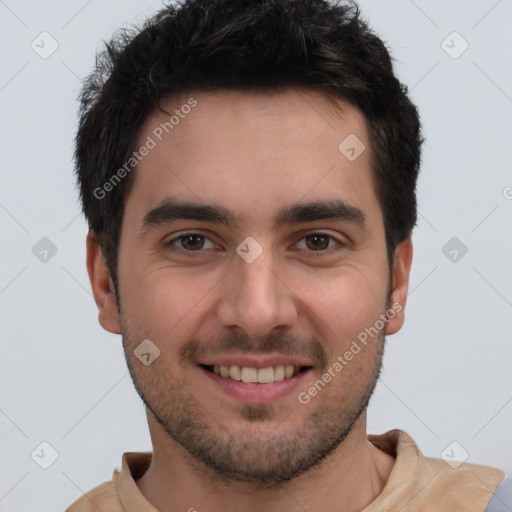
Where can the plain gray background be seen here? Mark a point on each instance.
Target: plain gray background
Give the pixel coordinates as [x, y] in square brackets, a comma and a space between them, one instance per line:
[447, 375]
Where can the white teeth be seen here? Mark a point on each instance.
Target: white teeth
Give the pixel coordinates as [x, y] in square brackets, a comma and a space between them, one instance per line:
[266, 375]
[256, 375]
[278, 373]
[235, 373]
[249, 374]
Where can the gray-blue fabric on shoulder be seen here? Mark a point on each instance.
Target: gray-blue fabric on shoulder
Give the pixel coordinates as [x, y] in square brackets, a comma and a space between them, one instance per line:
[502, 498]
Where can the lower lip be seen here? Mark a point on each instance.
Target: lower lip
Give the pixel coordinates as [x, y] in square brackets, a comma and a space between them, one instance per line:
[256, 393]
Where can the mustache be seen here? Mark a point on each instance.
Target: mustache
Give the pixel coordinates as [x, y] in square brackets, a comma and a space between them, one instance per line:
[285, 344]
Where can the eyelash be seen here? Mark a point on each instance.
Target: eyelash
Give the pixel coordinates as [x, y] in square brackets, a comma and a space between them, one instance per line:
[192, 254]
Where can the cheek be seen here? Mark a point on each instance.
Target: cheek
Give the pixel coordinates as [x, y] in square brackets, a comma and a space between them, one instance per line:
[166, 303]
[343, 303]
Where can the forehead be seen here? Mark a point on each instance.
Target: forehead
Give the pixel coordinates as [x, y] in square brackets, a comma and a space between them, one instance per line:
[253, 152]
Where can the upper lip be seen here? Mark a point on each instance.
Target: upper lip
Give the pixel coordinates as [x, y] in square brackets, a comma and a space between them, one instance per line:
[254, 361]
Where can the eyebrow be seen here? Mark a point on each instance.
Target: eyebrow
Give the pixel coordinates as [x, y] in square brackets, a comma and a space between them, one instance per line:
[172, 209]
[335, 209]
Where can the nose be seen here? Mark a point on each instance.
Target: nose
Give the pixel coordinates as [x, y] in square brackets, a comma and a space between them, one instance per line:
[256, 298]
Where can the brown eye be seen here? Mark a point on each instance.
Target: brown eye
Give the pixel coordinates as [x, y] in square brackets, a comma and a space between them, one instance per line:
[192, 242]
[317, 242]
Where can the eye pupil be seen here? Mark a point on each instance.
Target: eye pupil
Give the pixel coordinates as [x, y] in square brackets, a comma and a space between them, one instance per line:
[318, 241]
[191, 241]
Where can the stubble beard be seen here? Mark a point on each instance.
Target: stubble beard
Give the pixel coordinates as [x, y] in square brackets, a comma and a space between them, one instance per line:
[254, 453]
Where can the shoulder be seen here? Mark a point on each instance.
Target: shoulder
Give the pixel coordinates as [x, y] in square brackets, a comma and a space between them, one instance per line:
[459, 485]
[477, 480]
[103, 497]
[122, 489]
[432, 484]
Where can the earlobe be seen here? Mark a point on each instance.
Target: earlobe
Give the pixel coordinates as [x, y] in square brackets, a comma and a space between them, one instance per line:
[399, 285]
[102, 285]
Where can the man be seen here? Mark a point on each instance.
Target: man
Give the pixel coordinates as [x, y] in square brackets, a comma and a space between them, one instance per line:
[248, 171]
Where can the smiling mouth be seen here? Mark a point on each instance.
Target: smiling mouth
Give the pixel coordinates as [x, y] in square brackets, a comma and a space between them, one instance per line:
[256, 375]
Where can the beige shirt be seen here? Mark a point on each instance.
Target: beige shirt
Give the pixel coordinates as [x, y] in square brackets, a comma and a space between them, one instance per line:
[416, 483]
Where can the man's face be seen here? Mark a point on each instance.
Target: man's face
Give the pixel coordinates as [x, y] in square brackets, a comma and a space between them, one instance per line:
[280, 286]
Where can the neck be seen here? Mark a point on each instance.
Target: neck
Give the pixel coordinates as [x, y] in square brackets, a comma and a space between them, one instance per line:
[351, 478]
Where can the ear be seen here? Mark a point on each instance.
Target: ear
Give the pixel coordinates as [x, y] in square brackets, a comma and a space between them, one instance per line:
[102, 285]
[399, 285]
